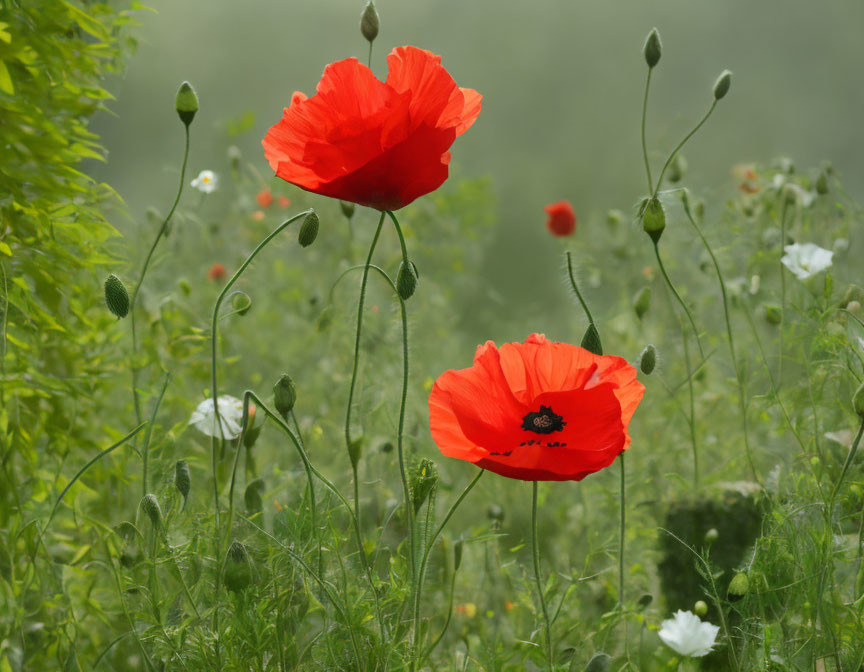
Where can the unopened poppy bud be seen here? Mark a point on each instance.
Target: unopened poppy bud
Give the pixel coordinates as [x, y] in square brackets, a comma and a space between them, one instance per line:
[614, 217]
[355, 450]
[241, 303]
[853, 307]
[721, 86]
[495, 512]
[150, 506]
[599, 663]
[424, 480]
[677, 168]
[325, 318]
[186, 103]
[238, 568]
[648, 359]
[699, 209]
[645, 600]
[347, 208]
[642, 302]
[653, 49]
[858, 400]
[654, 219]
[700, 608]
[284, 395]
[738, 587]
[369, 22]
[308, 230]
[184, 286]
[182, 479]
[822, 184]
[591, 340]
[712, 535]
[116, 296]
[252, 497]
[773, 314]
[406, 280]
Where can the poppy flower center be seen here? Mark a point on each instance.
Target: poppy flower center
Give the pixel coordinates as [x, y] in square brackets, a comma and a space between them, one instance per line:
[543, 421]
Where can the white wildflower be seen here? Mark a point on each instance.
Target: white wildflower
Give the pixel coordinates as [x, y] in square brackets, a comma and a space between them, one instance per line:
[230, 417]
[206, 181]
[806, 260]
[687, 635]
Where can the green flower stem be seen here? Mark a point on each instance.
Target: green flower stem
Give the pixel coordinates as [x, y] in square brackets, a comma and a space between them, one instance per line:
[742, 400]
[535, 553]
[576, 288]
[782, 292]
[680, 145]
[679, 299]
[623, 499]
[415, 657]
[214, 393]
[851, 456]
[353, 384]
[644, 144]
[145, 449]
[162, 230]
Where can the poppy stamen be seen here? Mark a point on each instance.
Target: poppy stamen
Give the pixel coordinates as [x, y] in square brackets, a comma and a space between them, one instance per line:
[543, 421]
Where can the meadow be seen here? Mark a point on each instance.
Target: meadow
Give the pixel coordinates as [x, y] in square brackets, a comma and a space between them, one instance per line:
[421, 456]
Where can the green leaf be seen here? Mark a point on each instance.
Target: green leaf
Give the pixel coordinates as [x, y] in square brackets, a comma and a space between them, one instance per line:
[5, 249]
[6, 80]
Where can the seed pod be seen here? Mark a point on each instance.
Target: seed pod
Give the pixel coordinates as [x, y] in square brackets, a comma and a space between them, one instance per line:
[424, 479]
[822, 183]
[700, 608]
[182, 479]
[653, 48]
[858, 400]
[648, 359]
[186, 103]
[642, 302]
[150, 506]
[654, 219]
[252, 497]
[308, 230]
[238, 568]
[370, 24]
[284, 395]
[591, 340]
[721, 86]
[347, 208]
[738, 587]
[116, 296]
[406, 280]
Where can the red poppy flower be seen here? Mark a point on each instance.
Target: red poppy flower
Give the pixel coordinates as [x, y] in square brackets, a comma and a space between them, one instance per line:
[380, 144]
[562, 219]
[216, 272]
[284, 201]
[264, 198]
[536, 411]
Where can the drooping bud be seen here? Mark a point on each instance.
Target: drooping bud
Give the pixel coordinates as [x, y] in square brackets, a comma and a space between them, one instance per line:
[182, 480]
[591, 340]
[645, 600]
[238, 568]
[241, 303]
[347, 209]
[186, 103]
[406, 280]
[423, 481]
[721, 86]
[858, 400]
[653, 48]
[325, 318]
[822, 183]
[369, 22]
[253, 497]
[712, 535]
[700, 608]
[677, 168]
[116, 296]
[355, 450]
[308, 230]
[284, 395]
[150, 506]
[648, 359]
[642, 302]
[654, 219]
[738, 587]
[599, 663]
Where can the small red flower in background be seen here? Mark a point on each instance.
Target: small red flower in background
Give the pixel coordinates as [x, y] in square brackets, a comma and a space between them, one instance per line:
[536, 411]
[562, 219]
[284, 202]
[264, 198]
[380, 144]
[216, 272]
[258, 215]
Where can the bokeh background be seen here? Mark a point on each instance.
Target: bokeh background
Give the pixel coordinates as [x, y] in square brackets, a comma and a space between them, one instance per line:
[562, 82]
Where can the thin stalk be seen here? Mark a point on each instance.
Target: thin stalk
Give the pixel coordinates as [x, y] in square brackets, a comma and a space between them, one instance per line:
[782, 292]
[678, 298]
[623, 499]
[134, 299]
[851, 456]
[680, 145]
[691, 395]
[356, 365]
[576, 289]
[145, 449]
[535, 552]
[644, 144]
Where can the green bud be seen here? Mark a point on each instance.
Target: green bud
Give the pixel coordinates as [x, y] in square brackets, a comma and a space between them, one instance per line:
[238, 568]
[116, 296]
[325, 318]
[184, 286]
[423, 481]
[699, 209]
[369, 22]
[599, 663]
[150, 506]
[495, 512]
[822, 183]
[653, 49]
[614, 217]
[182, 479]
[241, 303]
[815, 461]
[591, 340]
[773, 314]
[386, 447]
[186, 103]
[654, 219]
[721, 86]
[406, 280]
[648, 359]
[642, 302]
[738, 587]
[347, 208]
[234, 157]
[252, 497]
[645, 600]
[677, 168]
[355, 450]
[284, 395]
[858, 400]
[308, 230]
[712, 535]
[700, 608]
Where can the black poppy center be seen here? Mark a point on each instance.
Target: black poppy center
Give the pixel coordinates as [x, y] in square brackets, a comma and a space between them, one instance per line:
[543, 421]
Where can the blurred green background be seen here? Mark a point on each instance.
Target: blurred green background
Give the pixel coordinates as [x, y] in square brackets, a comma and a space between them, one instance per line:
[562, 84]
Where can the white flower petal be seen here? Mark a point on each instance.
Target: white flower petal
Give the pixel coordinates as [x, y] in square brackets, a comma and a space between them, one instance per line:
[806, 260]
[230, 417]
[206, 181]
[687, 635]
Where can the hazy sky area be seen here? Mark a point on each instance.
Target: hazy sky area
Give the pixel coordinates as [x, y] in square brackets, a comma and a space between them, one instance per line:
[562, 84]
